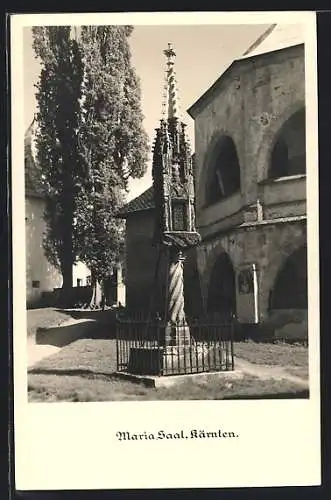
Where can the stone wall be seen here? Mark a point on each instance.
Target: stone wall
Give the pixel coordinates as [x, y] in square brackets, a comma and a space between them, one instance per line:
[142, 258]
[41, 276]
[289, 323]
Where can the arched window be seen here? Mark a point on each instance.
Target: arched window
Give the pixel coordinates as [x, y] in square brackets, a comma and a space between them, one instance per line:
[224, 178]
[289, 153]
[221, 291]
[290, 289]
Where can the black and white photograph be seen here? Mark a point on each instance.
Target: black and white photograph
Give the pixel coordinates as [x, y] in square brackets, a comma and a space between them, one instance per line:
[166, 192]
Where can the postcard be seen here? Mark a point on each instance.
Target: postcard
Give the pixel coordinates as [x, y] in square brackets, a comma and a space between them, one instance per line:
[165, 250]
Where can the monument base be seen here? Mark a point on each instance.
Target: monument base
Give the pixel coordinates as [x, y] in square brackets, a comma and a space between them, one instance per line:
[154, 381]
[175, 335]
[146, 361]
[160, 360]
[176, 360]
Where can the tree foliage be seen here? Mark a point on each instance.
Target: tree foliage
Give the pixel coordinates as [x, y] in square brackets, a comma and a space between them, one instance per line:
[90, 141]
[113, 143]
[58, 93]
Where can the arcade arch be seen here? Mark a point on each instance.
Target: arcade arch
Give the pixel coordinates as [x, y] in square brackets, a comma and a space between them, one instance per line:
[288, 156]
[221, 290]
[224, 171]
[290, 287]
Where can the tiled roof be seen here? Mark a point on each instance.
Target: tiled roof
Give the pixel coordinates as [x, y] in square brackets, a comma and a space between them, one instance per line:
[276, 37]
[260, 39]
[144, 201]
[33, 183]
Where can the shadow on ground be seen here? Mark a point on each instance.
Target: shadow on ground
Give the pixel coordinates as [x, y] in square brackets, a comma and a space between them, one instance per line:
[97, 314]
[107, 317]
[98, 325]
[74, 372]
[91, 374]
[304, 394]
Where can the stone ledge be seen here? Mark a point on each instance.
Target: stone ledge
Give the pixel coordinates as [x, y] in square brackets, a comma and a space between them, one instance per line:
[170, 380]
[268, 222]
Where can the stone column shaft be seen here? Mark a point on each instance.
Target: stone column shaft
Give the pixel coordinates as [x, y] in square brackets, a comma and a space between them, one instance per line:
[177, 331]
[176, 313]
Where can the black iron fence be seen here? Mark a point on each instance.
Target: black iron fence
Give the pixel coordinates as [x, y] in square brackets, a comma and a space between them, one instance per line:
[153, 347]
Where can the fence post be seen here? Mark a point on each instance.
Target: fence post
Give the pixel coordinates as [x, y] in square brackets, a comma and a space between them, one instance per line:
[231, 339]
[159, 344]
[117, 346]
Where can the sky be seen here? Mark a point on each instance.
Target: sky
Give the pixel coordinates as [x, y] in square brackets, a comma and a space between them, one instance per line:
[203, 52]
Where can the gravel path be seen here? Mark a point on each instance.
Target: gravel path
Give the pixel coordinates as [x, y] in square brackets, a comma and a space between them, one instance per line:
[267, 372]
[37, 352]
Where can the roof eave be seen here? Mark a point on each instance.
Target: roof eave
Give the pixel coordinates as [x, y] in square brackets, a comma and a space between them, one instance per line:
[192, 110]
[124, 215]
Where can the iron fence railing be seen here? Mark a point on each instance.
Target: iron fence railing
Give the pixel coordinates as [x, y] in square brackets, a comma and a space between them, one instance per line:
[152, 347]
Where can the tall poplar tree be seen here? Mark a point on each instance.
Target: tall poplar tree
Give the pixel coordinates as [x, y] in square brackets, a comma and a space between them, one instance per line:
[113, 143]
[58, 154]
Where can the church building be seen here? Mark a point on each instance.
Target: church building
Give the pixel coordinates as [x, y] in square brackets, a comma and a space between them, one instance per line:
[250, 180]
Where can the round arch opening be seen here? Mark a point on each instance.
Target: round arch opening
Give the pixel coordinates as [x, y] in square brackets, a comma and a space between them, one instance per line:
[290, 288]
[221, 291]
[224, 178]
[288, 156]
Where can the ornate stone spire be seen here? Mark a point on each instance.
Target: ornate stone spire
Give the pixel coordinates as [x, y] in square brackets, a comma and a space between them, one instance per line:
[170, 107]
[173, 170]
[173, 185]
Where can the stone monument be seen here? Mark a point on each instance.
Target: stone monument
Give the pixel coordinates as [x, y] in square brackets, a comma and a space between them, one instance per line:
[173, 182]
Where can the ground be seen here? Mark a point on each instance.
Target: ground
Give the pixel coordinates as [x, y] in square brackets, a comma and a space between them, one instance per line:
[292, 357]
[45, 317]
[83, 371]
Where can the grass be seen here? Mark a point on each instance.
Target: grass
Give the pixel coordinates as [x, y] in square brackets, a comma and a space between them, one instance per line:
[99, 356]
[292, 356]
[45, 317]
[96, 356]
[52, 388]
[82, 371]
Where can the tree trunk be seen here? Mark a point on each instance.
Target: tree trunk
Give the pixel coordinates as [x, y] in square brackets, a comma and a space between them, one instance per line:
[65, 299]
[96, 299]
[67, 277]
[67, 202]
[66, 261]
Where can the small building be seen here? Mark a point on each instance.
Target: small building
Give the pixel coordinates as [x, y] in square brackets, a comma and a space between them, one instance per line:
[141, 255]
[250, 177]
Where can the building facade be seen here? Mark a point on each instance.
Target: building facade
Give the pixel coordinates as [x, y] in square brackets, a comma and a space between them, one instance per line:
[141, 255]
[250, 175]
[251, 191]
